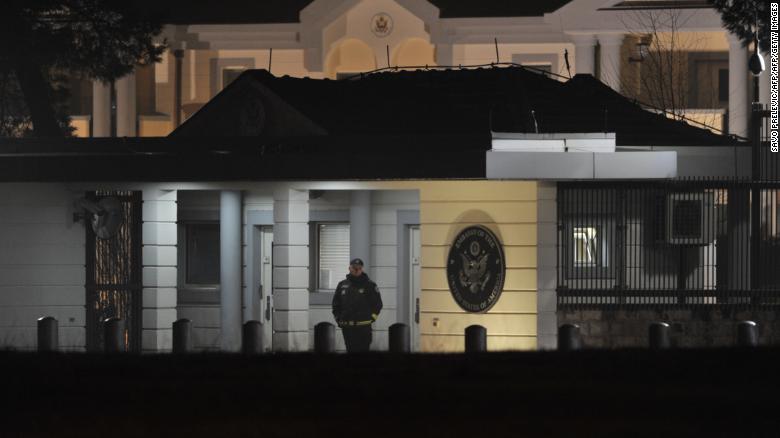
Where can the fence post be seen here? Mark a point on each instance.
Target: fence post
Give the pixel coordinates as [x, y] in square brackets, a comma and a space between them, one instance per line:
[182, 336]
[48, 334]
[324, 338]
[569, 337]
[252, 337]
[659, 336]
[747, 334]
[476, 339]
[114, 335]
[399, 338]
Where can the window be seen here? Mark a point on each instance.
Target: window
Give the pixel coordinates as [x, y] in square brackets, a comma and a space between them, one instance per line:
[202, 254]
[585, 246]
[591, 243]
[230, 74]
[332, 254]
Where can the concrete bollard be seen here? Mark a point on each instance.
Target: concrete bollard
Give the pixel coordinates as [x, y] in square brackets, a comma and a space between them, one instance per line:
[658, 336]
[399, 338]
[324, 338]
[182, 336]
[747, 334]
[252, 337]
[114, 335]
[476, 339]
[569, 337]
[48, 334]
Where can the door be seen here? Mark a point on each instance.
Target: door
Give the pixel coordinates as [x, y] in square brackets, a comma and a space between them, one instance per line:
[414, 286]
[265, 307]
[113, 277]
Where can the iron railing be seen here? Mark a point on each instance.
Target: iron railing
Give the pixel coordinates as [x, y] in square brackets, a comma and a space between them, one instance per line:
[667, 243]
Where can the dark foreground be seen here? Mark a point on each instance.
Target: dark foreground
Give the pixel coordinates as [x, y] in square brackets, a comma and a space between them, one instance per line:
[629, 393]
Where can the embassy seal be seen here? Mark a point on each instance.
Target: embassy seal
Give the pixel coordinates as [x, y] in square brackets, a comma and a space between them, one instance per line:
[476, 269]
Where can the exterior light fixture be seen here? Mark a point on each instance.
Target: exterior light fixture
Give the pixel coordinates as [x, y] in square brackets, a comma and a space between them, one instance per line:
[756, 62]
[642, 50]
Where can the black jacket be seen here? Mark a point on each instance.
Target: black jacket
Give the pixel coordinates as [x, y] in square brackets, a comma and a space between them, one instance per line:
[356, 301]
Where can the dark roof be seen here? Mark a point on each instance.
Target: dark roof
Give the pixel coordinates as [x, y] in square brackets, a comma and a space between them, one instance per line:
[496, 8]
[436, 102]
[287, 11]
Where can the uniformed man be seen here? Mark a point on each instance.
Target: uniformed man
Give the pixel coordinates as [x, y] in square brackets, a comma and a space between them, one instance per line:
[356, 305]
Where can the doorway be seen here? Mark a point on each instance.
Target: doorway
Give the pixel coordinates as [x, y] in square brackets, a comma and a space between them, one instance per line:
[414, 286]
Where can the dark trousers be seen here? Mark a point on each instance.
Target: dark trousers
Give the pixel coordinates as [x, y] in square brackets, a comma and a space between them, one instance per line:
[357, 339]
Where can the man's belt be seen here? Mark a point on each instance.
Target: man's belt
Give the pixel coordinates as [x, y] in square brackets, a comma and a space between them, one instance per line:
[355, 323]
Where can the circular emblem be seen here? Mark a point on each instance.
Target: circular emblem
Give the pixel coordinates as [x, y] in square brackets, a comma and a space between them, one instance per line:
[476, 269]
[381, 24]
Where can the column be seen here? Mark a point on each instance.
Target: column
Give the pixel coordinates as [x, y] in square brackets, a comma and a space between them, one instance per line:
[610, 59]
[178, 55]
[546, 266]
[230, 269]
[101, 109]
[360, 227]
[444, 54]
[763, 80]
[159, 214]
[738, 87]
[125, 106]
[291, 270]
[584, 54]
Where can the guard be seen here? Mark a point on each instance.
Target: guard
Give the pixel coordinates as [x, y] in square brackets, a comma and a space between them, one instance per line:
[356, 305]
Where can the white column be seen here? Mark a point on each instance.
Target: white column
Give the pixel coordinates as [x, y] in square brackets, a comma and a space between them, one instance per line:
[444, 54]
[291, 270]
[101, 109]
[738, 87]
[584, 53]
[610, 59]
[159, 214]
[360, 227]
[125, 106]
[763, 80]
[546, 266]
[230, 269]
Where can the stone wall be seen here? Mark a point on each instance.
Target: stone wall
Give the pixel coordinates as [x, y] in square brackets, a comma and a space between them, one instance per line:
[713, 327]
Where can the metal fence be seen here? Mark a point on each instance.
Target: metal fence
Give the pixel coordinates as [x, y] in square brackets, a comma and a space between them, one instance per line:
[668, 243]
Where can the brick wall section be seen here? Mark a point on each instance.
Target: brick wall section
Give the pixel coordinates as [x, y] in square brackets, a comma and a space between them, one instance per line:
[689, 328]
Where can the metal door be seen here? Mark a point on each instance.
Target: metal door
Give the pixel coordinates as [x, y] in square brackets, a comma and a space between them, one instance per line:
[414, 285]
[266, 285]
[113, 268]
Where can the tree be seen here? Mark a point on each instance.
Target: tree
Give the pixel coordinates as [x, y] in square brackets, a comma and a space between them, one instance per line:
[740, 17]
[41, 41]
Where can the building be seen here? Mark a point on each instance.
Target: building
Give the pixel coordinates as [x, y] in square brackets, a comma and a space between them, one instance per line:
[673, 55]
[279, 180]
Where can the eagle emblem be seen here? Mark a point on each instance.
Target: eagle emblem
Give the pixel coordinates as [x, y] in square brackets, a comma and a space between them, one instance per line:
[476, 269]
[473, 274]
[382, 24]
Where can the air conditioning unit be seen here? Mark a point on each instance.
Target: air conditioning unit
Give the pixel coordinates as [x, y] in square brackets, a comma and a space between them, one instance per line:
[690, 218]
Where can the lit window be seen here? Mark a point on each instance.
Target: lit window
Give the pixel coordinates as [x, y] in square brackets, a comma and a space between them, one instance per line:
[332, 254]
[585, 246]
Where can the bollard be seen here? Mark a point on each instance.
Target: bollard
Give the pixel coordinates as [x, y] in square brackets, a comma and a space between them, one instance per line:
[114, 335]
[399, 338]
[324, 338]
[476, 339]
[252, 337]
[182, 336]
[569, 337]
[747, 334]
[659, 336]
[48, 335]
